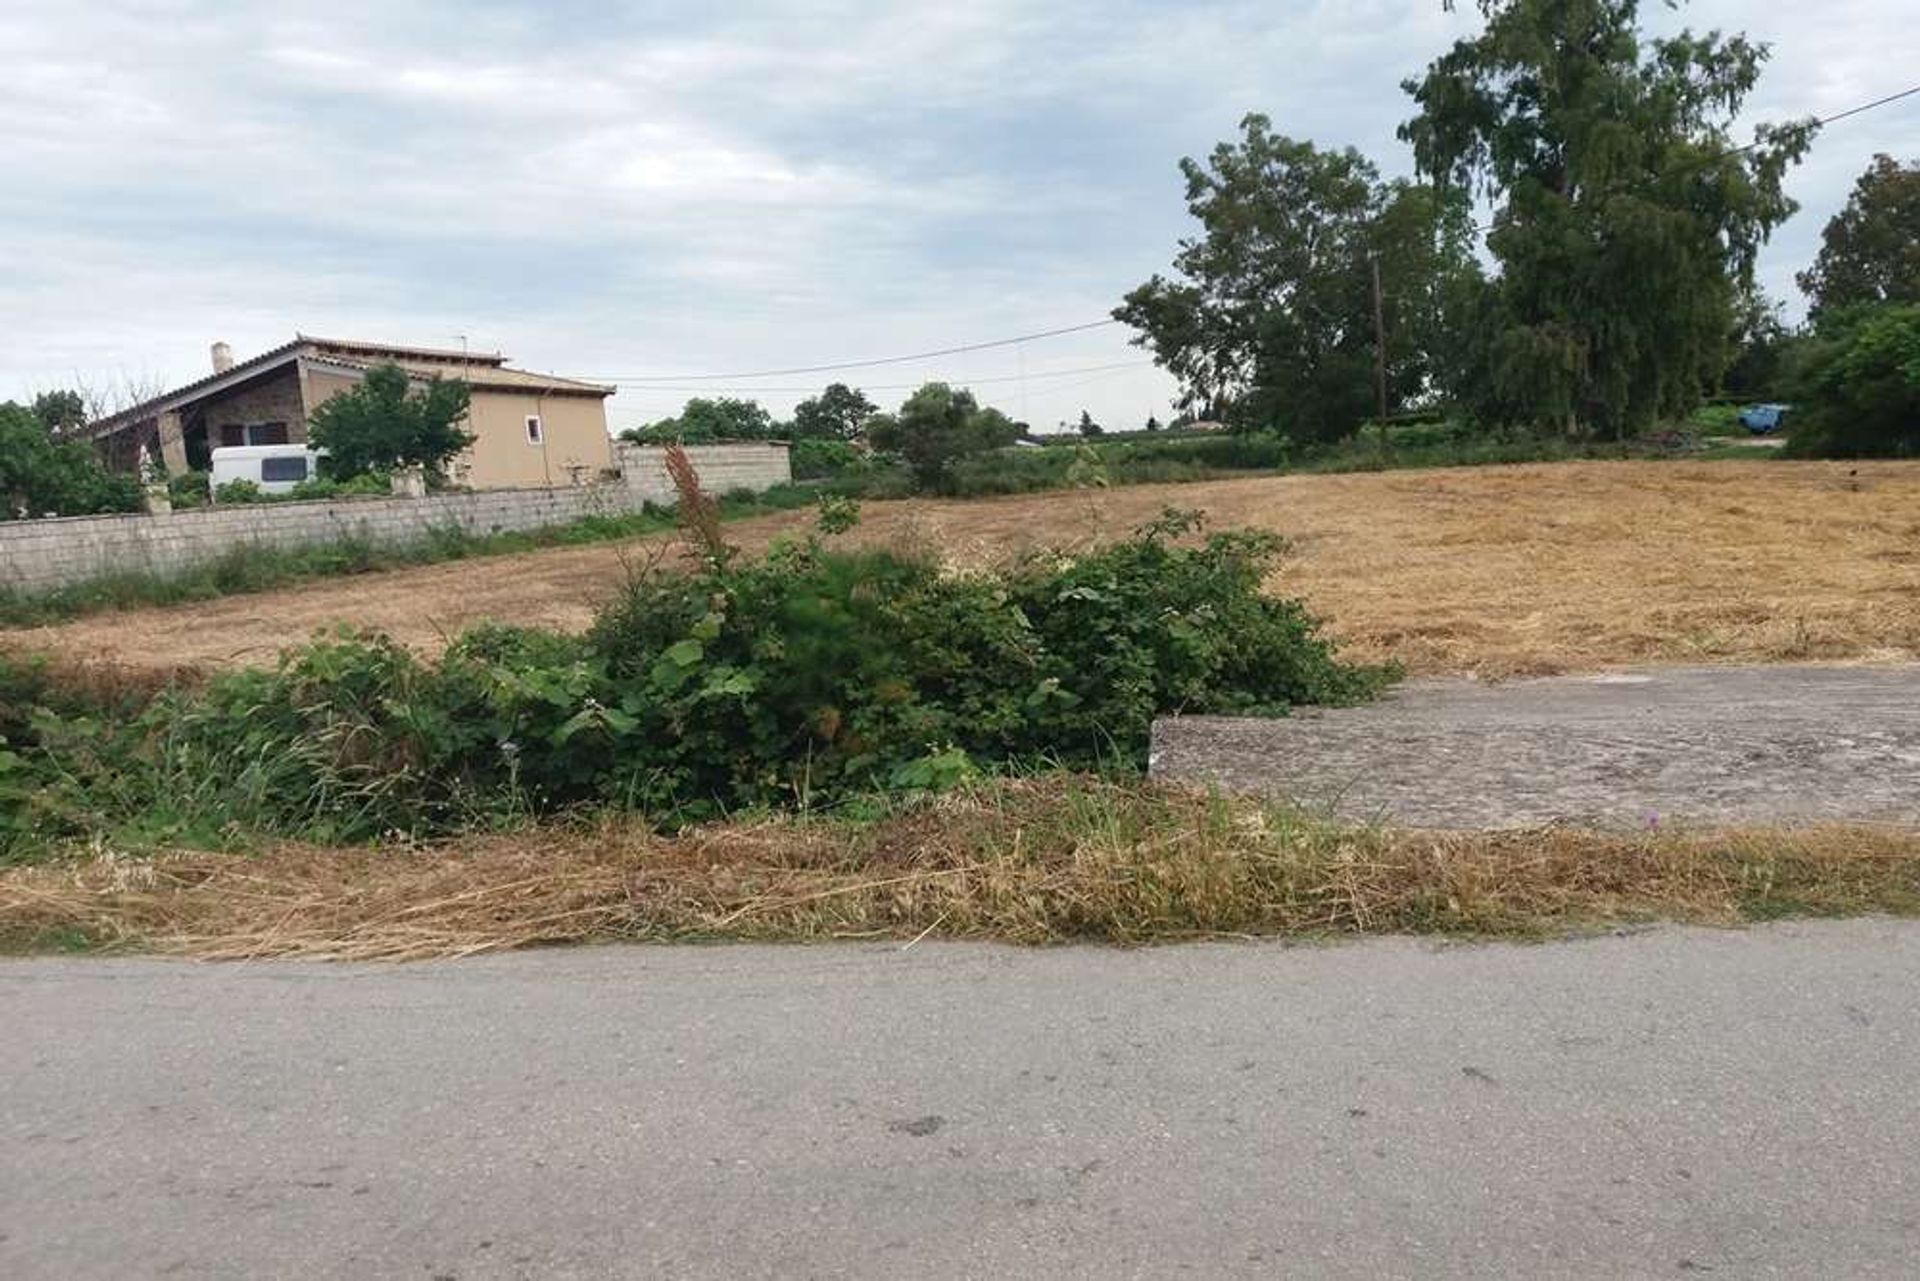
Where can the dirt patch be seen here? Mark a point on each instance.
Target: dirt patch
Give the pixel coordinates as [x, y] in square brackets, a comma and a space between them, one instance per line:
[1500, 570]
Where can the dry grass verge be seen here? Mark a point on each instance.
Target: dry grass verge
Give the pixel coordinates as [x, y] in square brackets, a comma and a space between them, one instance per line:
[1041, 861]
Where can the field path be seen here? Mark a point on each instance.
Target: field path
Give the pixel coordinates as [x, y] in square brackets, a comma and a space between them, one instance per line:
[1497, 570]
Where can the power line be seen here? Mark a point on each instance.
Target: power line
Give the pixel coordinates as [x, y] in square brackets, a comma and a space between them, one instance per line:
[814, 387]
[859, 364]
[1041, 393]
[663, 382]
[1863, 108]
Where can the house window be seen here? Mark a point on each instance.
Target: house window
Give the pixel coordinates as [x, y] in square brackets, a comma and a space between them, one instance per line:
[253, 434]
[274, 470]
[536, 433]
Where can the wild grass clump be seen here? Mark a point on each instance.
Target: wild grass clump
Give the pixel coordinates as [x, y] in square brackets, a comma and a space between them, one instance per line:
[1052, 859]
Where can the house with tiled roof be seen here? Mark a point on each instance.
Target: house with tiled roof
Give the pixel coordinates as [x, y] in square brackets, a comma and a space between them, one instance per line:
[529, 429]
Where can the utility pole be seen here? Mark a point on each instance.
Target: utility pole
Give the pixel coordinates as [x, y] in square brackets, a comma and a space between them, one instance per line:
[1380, 352]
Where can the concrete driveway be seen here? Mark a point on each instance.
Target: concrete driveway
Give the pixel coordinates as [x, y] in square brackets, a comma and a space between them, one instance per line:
[1707, 745]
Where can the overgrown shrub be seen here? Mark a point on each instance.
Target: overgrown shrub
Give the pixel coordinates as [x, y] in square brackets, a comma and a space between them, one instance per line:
[188, 489]
[239, 491]
[44, 476]
[45, 791]
[367, 484]
[1859, 390]
[807, 677]
[814, 459]
[938, 427]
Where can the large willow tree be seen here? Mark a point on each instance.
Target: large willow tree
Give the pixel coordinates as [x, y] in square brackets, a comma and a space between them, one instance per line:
[1626, 222]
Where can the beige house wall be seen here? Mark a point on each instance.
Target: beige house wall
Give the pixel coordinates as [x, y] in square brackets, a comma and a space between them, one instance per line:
[575, 447]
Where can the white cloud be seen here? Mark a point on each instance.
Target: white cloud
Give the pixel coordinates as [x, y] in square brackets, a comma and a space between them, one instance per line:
[708, 187]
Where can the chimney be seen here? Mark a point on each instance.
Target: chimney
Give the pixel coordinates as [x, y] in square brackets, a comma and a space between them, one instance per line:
[222, 358]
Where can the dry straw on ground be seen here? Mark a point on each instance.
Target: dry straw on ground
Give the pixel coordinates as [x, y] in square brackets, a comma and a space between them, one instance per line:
[1041, 861]
[1494, 570]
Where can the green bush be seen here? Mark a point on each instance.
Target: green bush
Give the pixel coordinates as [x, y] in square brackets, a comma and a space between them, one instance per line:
[367, 484]
[815, 459]
[44, 476]
[1014, 470]
[1859, 390]
[1426, 434]
[58, 732]
[189, 489]
[809, 677]
[1252, 451]
[239, 491]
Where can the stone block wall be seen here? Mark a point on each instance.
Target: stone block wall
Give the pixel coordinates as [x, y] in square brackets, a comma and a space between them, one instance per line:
[275, 401]
[754, 465]
[42, 555]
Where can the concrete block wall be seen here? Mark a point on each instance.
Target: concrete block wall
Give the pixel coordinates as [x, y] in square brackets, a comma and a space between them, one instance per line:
[754, 465]
[42, 555]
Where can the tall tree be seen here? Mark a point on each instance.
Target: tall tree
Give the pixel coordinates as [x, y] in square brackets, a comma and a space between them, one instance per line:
[702, 420]
[838, 413]
[938, 426]
[1627, 223]
[1269, 320]
[60, 411]
[1761, 342]
[385, 423]
[1870, 252]
[41, 476]
[1859, 386]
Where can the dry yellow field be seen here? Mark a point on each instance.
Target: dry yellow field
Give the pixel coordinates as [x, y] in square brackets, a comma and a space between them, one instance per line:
[1500, 571]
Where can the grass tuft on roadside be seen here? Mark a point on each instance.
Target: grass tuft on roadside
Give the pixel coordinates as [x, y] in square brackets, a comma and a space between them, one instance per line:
[1052, 859]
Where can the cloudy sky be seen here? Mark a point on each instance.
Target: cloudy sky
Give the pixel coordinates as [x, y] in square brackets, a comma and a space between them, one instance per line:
[643, 191]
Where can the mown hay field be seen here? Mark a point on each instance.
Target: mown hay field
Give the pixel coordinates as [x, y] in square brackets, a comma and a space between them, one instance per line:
[1498, 571]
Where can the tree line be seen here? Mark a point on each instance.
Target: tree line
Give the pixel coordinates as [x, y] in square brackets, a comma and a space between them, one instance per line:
[1616, 288]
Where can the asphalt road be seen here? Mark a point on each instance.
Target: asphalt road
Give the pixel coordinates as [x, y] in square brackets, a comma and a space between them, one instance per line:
[1714, 745]
[1661, 1104]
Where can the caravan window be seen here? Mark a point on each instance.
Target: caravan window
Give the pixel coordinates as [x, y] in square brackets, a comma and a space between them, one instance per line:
[283, 469]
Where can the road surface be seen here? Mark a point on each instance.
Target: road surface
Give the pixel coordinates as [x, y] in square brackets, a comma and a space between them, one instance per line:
[1656, 1105]
[1711, 745]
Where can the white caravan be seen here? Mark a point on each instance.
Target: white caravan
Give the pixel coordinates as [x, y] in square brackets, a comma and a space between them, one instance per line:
[275, 468]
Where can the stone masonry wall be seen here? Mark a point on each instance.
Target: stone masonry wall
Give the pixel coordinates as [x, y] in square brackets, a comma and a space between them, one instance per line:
[277, 401]
[41, 555]
[754, 465]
